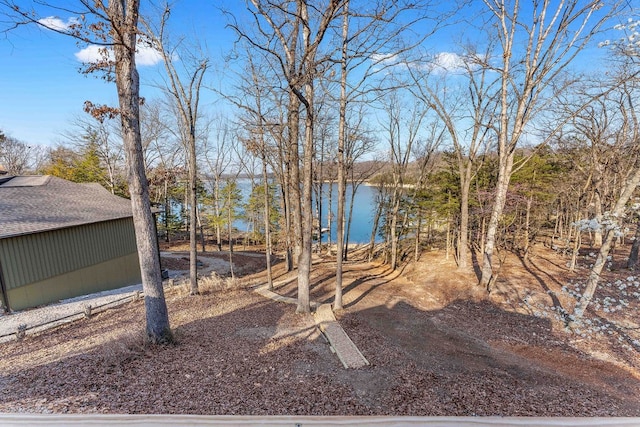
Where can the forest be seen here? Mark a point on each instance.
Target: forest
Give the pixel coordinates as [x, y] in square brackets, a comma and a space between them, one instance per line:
[514, 136]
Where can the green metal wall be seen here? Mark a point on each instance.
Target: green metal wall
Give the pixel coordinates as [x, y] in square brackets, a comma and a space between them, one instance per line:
[107, 275]
[44, 267]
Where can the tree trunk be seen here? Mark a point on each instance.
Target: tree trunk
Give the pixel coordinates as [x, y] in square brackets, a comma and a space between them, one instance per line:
[597, 203]
[576, 250]
[527, 225]
[203, 239]
[286, 207]
[230, 228]
[504, 171]
[556, 226]
[594, 276]
[330, 216]
[393, 230]
[267, 220]
[463, 247]
[416, 252]
[217, 213]
[304, 259]
[193, 220]
[337, 301]
[374, 226]
[342, 135]
[632, 262]
[349, 218]
[128, 86]
[167, 209]
[295, 201]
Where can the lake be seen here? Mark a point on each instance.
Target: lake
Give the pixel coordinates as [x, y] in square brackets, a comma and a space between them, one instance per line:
[363, 210]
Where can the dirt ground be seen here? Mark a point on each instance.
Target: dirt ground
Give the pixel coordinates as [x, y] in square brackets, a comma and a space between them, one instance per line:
[437, 345]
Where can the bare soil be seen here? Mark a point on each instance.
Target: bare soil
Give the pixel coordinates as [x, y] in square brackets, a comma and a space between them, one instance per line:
[437, 345]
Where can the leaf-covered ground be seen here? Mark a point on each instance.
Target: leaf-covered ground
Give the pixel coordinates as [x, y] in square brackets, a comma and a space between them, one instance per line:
[436, 346]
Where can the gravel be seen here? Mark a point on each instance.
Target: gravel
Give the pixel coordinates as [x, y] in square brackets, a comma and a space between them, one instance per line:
[49, 316]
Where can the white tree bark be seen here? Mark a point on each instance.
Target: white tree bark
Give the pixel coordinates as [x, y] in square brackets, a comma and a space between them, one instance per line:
[535, 50]
[603, 253]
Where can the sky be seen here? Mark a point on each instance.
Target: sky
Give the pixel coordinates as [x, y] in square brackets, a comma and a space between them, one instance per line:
[42, 91]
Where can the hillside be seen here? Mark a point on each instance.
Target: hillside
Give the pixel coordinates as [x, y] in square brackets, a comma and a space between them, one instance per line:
[436, 344]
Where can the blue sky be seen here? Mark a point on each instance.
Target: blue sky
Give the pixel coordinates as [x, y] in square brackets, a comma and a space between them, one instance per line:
[40, 86]
[42, 90]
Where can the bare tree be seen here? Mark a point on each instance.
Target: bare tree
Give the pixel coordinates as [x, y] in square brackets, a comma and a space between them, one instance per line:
[217, 153]
[599, 145]
[183, 89]
[536, 44]
[116, 28]
[403, 125]
[359, 142]
[104, 137]
[160, 149]
[371, 36]
[18, 157]
[466, 113]
[261, 128]
[629, 133]
[290, 35]
[123, 17]
[342, 137]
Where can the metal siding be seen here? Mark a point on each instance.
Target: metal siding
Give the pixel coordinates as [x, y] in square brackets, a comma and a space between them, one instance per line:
[48, 263]
[51, 241]
[18, 250]
[7, 263]
[32, 251]
[112, 274]
[4, 259]
[73, 258]
[36, 257]
[26, 254]
[10, 264]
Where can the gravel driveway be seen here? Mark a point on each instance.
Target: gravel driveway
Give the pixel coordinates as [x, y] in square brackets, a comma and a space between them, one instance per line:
[74, 308]
[62, 312]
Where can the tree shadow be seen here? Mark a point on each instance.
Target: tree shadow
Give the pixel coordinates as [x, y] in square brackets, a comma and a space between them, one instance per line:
[257, 357]
[619, 331]
[475, 263]
[554, 299]
[226, 363]
[386, 277]
[451, 356]
[322, 287]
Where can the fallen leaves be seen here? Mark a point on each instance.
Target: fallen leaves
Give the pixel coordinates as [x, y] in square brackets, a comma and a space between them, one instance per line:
[238, 353]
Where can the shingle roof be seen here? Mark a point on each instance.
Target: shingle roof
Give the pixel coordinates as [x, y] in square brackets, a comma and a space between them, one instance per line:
[30, 204]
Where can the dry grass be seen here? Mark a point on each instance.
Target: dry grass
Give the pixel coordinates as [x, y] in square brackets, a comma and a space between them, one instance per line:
[207, 284]
[122, 349]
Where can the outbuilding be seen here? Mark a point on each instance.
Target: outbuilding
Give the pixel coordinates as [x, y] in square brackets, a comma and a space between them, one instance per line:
[60, 239]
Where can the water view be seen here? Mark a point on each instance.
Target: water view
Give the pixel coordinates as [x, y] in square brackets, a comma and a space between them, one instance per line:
[363, 210]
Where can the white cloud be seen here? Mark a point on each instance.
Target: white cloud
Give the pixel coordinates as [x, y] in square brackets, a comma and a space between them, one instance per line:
[439, 63]
[57, 24]
[384, 58]
[92, 53]
[145, 56]
[447, 62]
